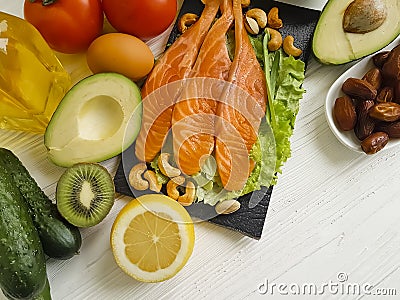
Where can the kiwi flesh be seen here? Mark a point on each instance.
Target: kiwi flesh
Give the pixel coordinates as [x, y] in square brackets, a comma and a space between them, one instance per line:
[85, 194]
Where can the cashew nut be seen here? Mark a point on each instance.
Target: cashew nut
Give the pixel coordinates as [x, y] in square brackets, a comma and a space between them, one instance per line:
[251, 25]
[179, 180]
[245, 3]
[275, 41]
[186, 20]
[289, 48]
[259, 15]
[165, 166]
[190, 193]
[151, 177]
[172, 190]
[135, 177]
[273, 18]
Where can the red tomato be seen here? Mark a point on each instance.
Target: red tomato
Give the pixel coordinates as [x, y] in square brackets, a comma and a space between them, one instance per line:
[142, 18]
[68, 26]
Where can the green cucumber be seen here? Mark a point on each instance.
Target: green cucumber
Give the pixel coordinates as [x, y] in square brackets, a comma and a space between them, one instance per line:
[60, 239]
[45, 294]
[22, 261]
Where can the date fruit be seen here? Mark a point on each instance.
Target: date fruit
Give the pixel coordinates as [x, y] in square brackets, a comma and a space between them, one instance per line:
[344, 112]
[359, 89]
[374, 77]
[374, 142]
[391, 68]
[365, 124]
[392, 129]
[385, 111]
[385, 94]
[380, 58]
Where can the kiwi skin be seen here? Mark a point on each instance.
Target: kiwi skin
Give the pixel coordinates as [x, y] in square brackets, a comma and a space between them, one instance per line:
[85, 194]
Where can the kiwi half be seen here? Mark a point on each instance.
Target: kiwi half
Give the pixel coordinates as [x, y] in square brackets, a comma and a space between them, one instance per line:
[85, 194]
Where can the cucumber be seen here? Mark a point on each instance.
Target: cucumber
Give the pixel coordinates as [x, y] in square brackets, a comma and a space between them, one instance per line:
[60, 239]
[22, 260]
[45, 294]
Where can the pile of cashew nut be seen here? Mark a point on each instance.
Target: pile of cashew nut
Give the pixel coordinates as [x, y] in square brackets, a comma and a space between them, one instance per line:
[256, 19]
[141, 179]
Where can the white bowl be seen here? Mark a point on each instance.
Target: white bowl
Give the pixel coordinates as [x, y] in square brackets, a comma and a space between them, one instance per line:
[348, 138]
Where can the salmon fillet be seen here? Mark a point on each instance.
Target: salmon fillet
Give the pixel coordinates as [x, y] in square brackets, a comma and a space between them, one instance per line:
[174, 65]
[194, 114]
[241, 110]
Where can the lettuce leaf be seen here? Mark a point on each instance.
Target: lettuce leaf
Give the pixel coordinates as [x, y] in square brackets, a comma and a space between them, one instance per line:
[287, 95]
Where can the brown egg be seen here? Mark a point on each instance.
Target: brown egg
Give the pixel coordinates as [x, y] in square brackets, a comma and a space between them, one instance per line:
[120, 53]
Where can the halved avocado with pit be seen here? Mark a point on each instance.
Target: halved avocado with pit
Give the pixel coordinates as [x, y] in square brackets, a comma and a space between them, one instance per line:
[332, 45]
[97, 119]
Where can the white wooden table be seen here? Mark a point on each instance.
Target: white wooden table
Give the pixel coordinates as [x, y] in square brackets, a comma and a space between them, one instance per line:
[334, 213]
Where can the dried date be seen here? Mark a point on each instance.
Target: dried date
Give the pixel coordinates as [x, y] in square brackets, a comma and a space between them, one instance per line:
[365, 124]
[374, 142]
[359, 89]
[385, 111]
[345, 113]
[392, 129]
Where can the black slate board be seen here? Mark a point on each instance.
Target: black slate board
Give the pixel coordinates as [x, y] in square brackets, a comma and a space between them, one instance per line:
[249, 220]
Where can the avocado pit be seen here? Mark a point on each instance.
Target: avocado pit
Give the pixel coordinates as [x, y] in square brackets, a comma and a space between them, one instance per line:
[362, 16]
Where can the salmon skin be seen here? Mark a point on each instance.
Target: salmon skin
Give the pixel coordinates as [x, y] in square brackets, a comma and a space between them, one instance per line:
[241, 110]
[174, 65]
[193, 116]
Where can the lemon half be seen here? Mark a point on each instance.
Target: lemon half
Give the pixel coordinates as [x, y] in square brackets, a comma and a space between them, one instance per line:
[152, 238]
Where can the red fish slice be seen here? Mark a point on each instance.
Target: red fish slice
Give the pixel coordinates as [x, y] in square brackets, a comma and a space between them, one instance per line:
[194, 116]
[174, 65]
[239, 116]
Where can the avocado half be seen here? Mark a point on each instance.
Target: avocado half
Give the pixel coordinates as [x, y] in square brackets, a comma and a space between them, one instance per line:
[332, 45]
[97, 119]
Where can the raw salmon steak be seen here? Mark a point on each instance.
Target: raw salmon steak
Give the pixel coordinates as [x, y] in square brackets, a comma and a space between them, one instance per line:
[193, 117]
[241, 110]
[173, 66]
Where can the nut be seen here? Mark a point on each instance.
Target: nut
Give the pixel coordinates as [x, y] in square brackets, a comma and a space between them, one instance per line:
[385, 95]
[251, 25]
[186, 21]
[151, 177]
[359, 89]
[259, 15]
[273, 18]
[365, 124]
[380, 58]
[344, 112]
[227, 207]
[245, 3]
[374, 142]
[275, 40]
[135, 177]
[189, 196]
[374, 77]
[179, 180]
[392, 129]
[172, 190]
[289, 48]
[165, 166]
[385, 111]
